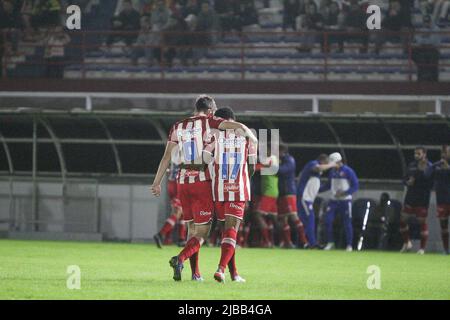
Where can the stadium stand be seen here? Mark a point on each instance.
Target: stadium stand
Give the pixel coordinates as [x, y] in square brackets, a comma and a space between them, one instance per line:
[263, 51]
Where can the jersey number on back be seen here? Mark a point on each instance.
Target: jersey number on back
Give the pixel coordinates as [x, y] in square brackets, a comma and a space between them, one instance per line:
[190, 150]
[237, 156]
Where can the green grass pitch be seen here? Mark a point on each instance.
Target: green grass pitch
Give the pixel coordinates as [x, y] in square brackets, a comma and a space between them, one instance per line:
[37, 270]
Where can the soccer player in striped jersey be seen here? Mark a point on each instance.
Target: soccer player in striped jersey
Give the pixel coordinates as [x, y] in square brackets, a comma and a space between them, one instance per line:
[185, 145]
[231, 153]
[163, 236]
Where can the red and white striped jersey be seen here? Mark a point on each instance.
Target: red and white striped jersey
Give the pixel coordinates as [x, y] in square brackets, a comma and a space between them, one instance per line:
[192, 135]
[231, 181]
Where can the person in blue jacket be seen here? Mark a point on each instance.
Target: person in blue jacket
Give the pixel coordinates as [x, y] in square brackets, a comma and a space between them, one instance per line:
[307, 190]
[343, 183]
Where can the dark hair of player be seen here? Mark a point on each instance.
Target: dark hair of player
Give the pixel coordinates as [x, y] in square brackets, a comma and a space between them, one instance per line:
[322, 157]
[225, 113]
[385, 196]
[424, 150]
[204, 103]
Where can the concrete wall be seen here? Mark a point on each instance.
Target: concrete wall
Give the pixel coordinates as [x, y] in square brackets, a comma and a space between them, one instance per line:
[118, 212]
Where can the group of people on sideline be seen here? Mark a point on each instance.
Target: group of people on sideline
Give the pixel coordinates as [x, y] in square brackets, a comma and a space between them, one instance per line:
[284, 206]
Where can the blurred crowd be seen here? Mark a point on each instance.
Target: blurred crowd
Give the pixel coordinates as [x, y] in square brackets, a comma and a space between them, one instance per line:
[179, 25]
[162, 30]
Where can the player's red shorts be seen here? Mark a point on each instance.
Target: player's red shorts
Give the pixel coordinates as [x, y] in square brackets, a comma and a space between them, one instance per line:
[419, 212]
[443, 211]
[267, 205]
[287, 204]
[196, 201]
[229, 208]
[172, 190]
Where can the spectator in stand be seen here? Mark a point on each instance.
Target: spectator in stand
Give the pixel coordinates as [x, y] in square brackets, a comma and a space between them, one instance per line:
[355, 25]
[397, 26]
[147, 44]
[291, 10]
[437, 9]
[190, 39]
[146, 7]
[160, 16]
[45, 13]
[10, 23]
[26, 13]
[313, 23]
[207, 24]
[333, 21]
[225, 10]
[324, 7]
[246, 14]
[173, 37]
[191, 7]
[127, 22]
[425, 52]
[55, 52]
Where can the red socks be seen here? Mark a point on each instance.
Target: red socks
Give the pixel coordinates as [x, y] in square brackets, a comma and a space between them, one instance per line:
[192, 246]
[168, 225]
[227, 247]
[301, 232]
[270, 229]
[423, 235]
[287, 234]
[404, 231]
[265, 236]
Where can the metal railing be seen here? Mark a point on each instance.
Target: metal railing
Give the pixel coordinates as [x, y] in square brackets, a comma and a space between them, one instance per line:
[314, 100]
[283, 45]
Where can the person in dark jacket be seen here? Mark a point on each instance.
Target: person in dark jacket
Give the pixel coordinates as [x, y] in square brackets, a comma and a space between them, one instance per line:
[355, 26]
[395, 27]
[128, 22]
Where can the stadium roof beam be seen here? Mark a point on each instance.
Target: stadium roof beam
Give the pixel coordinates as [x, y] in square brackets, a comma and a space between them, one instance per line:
[7, 153]
[159, 128]
[59, 151]
[397, 144]
[288, 116]
[337, 138]
[88, 141]
[112, 143]
[88, 96]
[161, 143]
